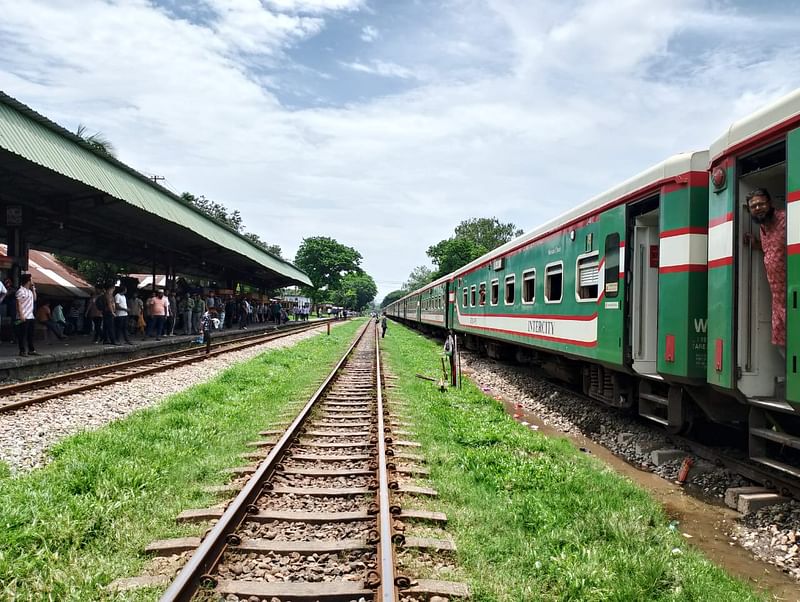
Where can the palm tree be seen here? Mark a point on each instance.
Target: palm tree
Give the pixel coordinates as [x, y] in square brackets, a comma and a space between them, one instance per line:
[97, 140]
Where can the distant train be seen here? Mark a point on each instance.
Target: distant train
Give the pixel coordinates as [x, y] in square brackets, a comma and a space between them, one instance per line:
[647, 297]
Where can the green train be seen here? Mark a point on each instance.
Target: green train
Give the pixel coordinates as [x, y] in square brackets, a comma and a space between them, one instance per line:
[648, 297]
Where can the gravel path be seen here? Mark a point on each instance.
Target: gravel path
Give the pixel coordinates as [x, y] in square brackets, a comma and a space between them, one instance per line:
[772, 533]
[27, 433]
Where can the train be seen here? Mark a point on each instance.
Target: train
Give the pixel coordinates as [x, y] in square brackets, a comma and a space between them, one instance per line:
[647, 298]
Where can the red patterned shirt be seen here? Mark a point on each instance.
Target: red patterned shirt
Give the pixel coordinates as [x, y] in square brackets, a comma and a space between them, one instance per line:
[773, 242]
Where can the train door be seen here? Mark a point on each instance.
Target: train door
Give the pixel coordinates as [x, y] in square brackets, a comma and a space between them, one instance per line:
[643, 282]
[793, 269]
[759, 362]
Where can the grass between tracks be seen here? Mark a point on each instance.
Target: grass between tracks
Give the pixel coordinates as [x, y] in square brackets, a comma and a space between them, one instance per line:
[533, 517]
[69, 529]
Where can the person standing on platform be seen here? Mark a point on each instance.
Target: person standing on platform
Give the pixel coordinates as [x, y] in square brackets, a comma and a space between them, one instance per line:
[121, 316]
[26, 297]
[109, 313]
[94, 314]
[172, 307]
[383, 325]
[158, 314]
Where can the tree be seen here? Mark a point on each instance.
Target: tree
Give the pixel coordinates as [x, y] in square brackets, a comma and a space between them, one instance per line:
[355, 291]
[326, 261]
[97, 140]
[450, 254]
[473, 238]
[487, 232]
[419, 277]
[214, 210]
[392, 297]
[96, 273]
[256, 240]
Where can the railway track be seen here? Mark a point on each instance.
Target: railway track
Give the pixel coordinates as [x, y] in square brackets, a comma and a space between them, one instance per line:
[320, 518]
[29, 392]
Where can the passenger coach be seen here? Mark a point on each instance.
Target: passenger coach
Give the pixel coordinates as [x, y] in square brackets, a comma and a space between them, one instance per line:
[646, 296]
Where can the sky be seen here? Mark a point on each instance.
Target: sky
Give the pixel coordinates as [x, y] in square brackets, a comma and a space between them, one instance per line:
[385, 123]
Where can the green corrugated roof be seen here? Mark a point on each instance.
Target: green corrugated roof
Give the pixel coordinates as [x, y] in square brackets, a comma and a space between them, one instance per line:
[39, 140]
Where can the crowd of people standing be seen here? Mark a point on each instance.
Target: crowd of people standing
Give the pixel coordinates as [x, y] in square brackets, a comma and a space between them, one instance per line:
[114, 315]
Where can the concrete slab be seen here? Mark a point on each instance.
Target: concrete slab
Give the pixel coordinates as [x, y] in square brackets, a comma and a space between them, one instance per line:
[732, 494]
[662, 456]
[751, 502]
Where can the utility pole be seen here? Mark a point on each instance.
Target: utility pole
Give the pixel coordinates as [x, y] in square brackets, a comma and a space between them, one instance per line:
[157, 179]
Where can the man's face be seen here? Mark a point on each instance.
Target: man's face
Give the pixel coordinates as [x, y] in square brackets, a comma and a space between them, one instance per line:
[760, 208]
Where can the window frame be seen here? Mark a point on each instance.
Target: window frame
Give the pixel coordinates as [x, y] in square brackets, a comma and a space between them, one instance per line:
[494, 291]
[472, 296]
[588, 255]
[482, 285]
[522, 295]
[465, 298]
[547, 300]
[513, 278]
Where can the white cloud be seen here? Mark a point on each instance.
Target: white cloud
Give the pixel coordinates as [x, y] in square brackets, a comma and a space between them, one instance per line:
[369, 33]
[517, 109]
[315, 6]
[247, 26]
[382, 68]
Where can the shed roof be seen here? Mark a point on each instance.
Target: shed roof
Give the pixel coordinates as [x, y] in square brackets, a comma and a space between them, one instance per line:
[28, 135]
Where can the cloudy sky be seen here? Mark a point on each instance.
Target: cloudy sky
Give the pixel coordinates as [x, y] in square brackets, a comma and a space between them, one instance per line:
[384, 123]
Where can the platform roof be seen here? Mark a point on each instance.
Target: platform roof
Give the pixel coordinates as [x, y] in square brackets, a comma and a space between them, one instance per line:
[80, 201]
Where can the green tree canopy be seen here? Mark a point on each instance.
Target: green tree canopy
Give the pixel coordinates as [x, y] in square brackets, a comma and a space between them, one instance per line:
[356, 290]
[419, 277]
[473, 238]
[214, 210]
[326, 262]
[392, 297]
[487, 232]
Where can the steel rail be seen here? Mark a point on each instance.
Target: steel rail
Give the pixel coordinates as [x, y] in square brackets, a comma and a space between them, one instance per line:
[208, 554]
[180, 357]
[387, 591]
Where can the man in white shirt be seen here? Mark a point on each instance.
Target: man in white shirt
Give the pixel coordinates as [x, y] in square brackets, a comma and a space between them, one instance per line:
[121, 315]
[26, 322]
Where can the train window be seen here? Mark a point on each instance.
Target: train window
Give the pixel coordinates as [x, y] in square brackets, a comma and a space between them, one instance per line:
[482, 293]
[587, 280]
[466, 297]
[529, 286]
[553, 282]
[612, 265]
[509, 298]
[495, 292]
[472, 296]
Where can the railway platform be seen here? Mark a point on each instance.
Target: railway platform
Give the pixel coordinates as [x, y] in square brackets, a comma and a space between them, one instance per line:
[79, 351]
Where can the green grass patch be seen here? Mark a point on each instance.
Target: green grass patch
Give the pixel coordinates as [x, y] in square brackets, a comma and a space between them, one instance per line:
[72, 527]
[533, 517]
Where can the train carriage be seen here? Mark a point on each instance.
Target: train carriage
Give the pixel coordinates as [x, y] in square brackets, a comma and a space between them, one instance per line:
[647, 295]
[588, 286]
[760, 151]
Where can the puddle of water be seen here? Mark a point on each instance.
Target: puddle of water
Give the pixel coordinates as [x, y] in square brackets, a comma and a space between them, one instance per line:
[706, 523]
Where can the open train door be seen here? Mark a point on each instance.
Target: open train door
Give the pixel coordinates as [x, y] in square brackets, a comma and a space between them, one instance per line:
[793, 269]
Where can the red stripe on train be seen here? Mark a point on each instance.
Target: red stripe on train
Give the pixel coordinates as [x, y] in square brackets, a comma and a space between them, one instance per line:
[686, 230]
[716, 263]
[716, 221]
[687, 267]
